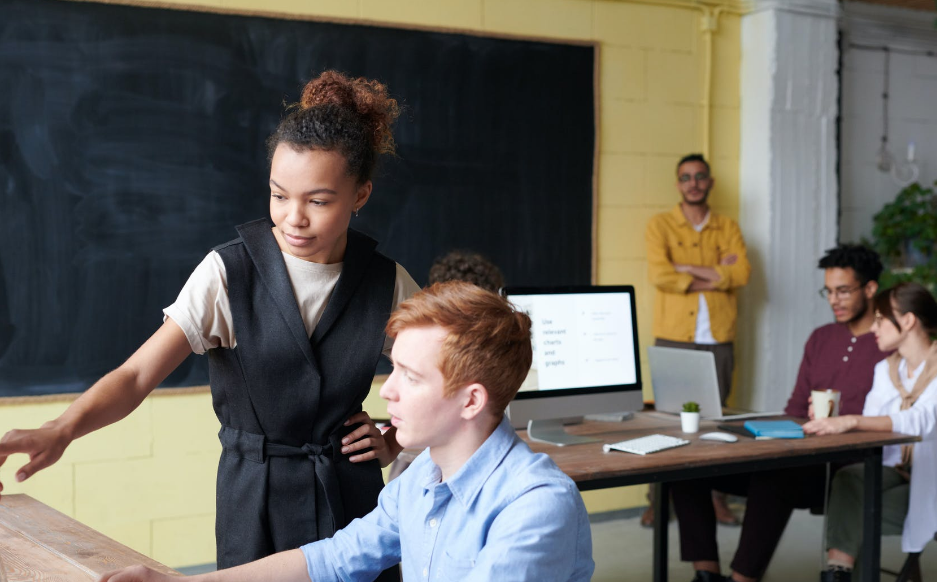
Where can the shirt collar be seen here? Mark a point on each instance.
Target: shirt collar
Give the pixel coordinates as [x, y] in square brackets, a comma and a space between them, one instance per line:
[709, 222]
[677, 213]
[865, 337]
[471, 477]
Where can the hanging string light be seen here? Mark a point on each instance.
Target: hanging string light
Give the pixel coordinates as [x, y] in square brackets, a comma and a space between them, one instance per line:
[903, 172]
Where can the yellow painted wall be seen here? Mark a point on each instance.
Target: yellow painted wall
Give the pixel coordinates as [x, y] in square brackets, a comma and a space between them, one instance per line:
[149, 480]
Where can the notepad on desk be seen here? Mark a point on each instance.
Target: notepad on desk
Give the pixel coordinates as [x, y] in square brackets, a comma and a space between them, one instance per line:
[775, 429]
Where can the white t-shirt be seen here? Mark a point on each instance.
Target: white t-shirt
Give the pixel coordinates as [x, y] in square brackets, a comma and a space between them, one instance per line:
[884, 400]
[704, 334]
[203, 311]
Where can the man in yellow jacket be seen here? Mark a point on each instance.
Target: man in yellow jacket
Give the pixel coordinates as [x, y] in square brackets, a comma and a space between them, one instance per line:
[697, 260]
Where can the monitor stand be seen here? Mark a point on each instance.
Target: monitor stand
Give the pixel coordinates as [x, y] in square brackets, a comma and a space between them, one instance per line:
[551, 431]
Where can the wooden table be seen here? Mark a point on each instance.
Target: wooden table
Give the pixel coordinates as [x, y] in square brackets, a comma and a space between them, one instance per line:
[37, 543]
[591, 468]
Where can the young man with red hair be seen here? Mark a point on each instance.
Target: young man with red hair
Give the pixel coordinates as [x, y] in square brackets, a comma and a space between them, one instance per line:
[477, 504]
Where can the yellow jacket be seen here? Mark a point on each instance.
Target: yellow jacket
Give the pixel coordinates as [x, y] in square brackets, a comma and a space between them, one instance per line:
[671, 239]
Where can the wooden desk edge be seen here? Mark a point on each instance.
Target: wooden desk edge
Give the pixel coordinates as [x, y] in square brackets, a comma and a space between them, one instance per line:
[56, 532]
[585, 463]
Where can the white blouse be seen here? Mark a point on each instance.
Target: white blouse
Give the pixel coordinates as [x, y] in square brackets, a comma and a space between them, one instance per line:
[919, 420]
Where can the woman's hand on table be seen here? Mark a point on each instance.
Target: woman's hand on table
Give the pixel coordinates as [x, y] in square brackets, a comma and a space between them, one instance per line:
[832, 425]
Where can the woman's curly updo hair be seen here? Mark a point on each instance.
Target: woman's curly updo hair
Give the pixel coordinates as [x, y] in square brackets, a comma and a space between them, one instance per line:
[338, 113]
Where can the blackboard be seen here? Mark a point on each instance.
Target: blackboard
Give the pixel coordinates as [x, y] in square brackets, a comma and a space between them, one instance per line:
[132, 141]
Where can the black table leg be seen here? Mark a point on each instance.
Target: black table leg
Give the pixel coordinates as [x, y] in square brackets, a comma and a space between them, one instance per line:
[872, 517]
[661, 523]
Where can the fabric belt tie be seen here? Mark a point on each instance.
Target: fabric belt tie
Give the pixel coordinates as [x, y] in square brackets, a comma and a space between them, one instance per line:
[256, 448]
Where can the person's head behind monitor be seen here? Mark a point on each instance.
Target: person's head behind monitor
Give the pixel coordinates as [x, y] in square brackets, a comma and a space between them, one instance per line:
[466, 266]
[460, 354]
[851, 275]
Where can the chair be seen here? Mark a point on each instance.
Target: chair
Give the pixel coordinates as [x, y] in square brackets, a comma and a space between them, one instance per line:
[910, 570]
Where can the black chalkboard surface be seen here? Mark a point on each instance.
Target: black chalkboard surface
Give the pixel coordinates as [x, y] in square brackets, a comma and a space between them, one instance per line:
[132, 141]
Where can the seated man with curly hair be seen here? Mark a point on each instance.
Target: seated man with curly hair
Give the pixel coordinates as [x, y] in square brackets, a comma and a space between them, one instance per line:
[466, 266]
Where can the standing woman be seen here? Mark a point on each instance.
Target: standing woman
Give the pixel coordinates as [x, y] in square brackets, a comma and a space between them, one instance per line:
[903, 399]
[292, 316]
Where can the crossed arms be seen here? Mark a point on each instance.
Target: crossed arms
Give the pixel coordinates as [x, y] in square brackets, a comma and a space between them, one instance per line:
[669, 276]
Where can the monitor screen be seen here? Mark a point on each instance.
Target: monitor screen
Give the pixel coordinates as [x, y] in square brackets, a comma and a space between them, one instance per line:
[584, 339]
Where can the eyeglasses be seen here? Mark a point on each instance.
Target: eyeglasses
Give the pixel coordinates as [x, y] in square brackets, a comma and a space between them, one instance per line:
[698, 176]
[840, 292]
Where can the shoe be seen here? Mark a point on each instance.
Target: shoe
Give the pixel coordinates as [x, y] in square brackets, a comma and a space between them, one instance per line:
[647, 518]
[836, 576]
[702, 576]
[729, 521]
[724, 515]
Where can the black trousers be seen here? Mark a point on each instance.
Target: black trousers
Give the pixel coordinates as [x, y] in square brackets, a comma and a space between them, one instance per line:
[772, 497]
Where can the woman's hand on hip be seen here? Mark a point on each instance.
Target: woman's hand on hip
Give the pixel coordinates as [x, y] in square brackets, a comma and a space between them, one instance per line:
[369, 439]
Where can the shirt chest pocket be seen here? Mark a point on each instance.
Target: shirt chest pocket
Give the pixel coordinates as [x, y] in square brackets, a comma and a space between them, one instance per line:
[685, 251]
[699, 251]
[456, 566]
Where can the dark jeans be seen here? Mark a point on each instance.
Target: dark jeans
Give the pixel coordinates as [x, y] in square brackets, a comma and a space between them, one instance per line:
[772, 497]
[725, 361]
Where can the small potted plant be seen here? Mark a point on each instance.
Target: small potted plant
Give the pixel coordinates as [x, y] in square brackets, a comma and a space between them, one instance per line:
[689, 418]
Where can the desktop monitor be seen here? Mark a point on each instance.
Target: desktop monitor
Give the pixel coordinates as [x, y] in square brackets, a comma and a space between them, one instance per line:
[585, 344]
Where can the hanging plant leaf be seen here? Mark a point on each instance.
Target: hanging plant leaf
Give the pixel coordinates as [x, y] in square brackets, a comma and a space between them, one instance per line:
[904, 233]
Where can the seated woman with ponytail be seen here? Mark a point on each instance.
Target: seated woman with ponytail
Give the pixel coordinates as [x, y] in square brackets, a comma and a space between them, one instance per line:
[903, 399]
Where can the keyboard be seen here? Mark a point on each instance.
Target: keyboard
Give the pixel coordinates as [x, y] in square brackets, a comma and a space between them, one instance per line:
[647, 444]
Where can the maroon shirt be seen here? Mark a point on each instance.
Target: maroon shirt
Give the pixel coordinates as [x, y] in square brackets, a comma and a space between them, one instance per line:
[835, 359]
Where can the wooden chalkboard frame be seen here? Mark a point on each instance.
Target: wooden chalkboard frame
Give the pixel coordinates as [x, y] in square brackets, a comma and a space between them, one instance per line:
[596, 46]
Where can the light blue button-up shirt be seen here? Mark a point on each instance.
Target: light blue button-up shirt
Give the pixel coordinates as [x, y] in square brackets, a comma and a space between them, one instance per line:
[507, 515]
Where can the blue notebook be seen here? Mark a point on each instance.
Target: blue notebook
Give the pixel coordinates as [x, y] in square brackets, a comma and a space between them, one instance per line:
[775, 429]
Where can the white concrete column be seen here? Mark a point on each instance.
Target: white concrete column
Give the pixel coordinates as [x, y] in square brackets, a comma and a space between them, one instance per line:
[788, 199]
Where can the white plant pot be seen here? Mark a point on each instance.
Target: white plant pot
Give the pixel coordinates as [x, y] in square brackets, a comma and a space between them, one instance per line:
[689, 421]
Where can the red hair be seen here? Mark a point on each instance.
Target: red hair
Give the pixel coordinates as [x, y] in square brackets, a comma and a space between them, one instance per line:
[487, 340]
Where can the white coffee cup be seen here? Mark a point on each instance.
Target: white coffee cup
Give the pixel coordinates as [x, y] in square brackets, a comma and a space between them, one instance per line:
[825, 403]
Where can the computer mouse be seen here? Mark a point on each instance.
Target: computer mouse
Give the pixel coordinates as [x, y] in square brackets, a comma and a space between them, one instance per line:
[719, 436]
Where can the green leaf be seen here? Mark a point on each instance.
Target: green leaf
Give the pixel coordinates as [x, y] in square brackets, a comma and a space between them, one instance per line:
[906, 227]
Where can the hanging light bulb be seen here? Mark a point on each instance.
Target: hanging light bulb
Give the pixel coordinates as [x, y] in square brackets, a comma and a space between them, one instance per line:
[884, 159]
[906, 172]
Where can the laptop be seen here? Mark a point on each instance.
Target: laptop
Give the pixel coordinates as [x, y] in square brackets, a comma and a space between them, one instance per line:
[679, 376]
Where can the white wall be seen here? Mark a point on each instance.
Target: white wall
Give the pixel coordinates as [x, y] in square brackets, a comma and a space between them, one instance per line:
[912, 109]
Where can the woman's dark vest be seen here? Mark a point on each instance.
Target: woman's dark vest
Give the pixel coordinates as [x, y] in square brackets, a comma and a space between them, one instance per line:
[282, 398]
